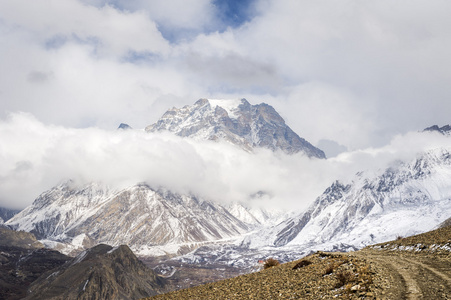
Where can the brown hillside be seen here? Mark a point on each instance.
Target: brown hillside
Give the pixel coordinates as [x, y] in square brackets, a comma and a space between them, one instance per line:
[417, 267]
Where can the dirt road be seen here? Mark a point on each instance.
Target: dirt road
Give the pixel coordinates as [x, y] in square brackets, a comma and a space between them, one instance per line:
[402, 275]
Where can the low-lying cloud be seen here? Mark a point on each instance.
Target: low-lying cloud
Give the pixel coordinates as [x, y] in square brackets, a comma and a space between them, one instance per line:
[35, 157]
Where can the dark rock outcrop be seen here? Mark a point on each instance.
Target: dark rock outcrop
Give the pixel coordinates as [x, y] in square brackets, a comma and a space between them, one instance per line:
[446, 130]
[101, 272]
[22, 261]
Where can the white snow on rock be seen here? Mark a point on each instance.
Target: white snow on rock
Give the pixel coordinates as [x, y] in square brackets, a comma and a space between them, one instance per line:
[230, 105]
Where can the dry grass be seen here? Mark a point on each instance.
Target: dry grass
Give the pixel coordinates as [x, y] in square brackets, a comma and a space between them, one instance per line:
[270, 262]
[344, 277]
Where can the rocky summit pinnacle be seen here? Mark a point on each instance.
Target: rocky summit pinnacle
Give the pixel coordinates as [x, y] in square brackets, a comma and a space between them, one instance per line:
[236, 121]
[124, 126]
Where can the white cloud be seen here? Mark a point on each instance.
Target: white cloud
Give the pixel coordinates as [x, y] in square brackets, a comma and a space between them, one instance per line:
[35, 157]
[187, 14]
[111, 31]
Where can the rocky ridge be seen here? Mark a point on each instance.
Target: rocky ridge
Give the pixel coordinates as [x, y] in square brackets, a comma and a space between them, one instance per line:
[138, 216]
[445, 130]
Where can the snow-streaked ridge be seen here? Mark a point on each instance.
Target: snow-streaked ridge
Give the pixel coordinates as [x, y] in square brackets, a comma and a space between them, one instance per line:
[137, 216]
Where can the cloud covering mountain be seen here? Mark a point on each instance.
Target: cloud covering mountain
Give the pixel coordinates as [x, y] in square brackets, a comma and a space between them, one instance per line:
[41, 156]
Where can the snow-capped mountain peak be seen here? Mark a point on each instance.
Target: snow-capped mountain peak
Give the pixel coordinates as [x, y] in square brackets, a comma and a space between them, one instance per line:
[237, 122]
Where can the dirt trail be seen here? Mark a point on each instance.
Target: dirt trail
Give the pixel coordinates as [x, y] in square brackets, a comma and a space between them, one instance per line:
[410, 276]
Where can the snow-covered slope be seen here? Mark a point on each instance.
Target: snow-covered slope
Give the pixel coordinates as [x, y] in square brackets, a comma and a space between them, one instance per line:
[235, 121]
[253, 215]
[403, 200]
[137, 216]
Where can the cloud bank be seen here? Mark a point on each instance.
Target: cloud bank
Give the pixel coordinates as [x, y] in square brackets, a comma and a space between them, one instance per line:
[35, 157]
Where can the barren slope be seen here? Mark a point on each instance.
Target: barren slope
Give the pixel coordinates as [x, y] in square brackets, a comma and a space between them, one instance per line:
[417, 267]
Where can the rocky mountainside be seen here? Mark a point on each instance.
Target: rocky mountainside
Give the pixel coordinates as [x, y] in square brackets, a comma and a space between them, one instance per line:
[22, 260]
[405, 199]
[101, 272]
[139, 216]
[236, 121]
[18, 239]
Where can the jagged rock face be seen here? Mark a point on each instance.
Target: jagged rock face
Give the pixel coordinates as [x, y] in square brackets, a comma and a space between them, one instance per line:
[236, 121]
[406, 199]
[445, 130]
[138, 216]
[102, 272]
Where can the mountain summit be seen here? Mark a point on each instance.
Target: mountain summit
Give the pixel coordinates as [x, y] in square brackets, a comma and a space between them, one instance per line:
[236, 121]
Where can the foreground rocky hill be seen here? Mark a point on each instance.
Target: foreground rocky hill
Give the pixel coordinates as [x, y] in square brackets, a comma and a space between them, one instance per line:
[29, 271]
[101, 272]
[22, 260]
[417, 267]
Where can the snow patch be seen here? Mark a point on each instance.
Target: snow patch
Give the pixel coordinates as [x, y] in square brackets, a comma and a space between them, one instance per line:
[231, 106]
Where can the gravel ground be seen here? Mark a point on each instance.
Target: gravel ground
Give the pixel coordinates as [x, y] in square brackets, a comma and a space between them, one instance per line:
[328, 276]
[417, 267]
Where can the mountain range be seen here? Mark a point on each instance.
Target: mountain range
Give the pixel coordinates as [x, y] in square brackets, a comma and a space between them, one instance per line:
[408, 197]
[70, 218]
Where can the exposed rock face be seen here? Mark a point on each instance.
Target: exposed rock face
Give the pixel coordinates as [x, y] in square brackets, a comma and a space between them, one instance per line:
[406, 199]
[236, 121]
[446, 130]
[102, 272]
[22, 261]
[138, 216]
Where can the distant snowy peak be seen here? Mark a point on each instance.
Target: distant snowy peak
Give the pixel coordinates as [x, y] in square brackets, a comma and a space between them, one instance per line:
[445, 130]
[236, 121]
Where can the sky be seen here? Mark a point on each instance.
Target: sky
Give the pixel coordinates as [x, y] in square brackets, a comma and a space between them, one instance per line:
[349, 76]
